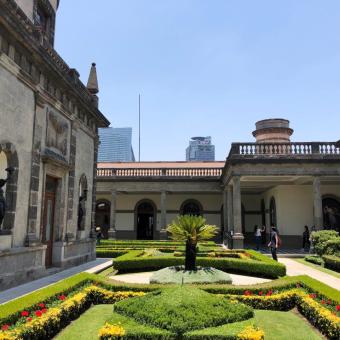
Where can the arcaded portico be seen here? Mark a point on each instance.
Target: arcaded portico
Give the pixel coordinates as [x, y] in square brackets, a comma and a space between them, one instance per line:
[272, 181]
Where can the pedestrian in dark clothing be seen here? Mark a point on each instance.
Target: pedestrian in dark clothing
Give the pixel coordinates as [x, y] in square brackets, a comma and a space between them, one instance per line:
[305, 239]
[274, 243]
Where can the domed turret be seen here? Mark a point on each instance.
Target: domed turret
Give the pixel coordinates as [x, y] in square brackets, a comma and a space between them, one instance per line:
[274, 130]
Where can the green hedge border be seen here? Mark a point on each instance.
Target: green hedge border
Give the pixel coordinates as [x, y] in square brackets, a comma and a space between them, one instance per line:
[332, 262]
[257, 264]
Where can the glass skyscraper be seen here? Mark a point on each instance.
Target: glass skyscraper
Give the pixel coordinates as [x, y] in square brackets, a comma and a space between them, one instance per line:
[200, 149]
[115, 145]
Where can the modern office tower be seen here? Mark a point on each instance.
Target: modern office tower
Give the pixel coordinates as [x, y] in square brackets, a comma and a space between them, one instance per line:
[200, 149]
[115, 145]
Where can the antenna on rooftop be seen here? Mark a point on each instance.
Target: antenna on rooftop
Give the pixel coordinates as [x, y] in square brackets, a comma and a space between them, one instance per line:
[139, 128]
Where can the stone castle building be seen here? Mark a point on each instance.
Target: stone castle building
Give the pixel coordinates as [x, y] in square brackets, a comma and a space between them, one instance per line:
[49, 140]
[272, 181]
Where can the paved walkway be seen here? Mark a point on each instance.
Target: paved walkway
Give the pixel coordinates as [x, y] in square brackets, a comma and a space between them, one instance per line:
[26, 288]
[145, 278]
[295, 268]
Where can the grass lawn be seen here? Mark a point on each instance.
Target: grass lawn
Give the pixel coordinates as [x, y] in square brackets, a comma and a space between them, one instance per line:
[322, 269]
[87, 326]
[276, 325]
[285, 325]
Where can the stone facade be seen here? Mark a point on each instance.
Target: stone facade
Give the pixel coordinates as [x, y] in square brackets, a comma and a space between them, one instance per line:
[273, 181]
[48, 134]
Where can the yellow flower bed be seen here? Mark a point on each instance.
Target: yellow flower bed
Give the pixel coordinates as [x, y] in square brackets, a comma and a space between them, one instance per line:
[251, 333]
[49, 323]
[324, 319]
[107, 296]
[281, 301]
[321, 317]
[111, 331]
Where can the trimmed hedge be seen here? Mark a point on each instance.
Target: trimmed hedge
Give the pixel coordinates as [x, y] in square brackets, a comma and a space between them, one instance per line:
[257, 264]
[314, 259]
[110, 253]
[332, 262]
[181, 309]
[321, 238]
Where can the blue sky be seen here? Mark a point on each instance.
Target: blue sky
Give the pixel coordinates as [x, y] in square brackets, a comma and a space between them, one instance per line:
[210, 68]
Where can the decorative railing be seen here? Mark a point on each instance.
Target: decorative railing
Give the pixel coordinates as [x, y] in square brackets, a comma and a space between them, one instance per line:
[159, 172]
[282, 149]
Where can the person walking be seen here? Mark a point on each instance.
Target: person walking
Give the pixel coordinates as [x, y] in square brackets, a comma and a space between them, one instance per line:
[305, 239]
[274, 242]
[257, 237]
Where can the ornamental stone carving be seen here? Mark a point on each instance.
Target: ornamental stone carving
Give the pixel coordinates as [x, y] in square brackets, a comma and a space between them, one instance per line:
[57, 133]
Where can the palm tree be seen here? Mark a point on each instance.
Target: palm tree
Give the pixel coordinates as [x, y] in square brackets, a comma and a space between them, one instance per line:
[191, 229]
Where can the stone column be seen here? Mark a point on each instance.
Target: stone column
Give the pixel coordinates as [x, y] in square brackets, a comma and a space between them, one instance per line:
[318, 215]
[112, 230]
[230, 222]
[238, 237]
[225, 213]
[163, 233]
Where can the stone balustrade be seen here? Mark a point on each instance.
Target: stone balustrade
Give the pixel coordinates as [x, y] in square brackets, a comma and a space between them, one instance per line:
[282, 149]
[159, 172]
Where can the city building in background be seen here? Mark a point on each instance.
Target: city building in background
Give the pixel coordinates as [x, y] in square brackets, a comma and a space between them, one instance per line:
[200, 149]
[115, 145]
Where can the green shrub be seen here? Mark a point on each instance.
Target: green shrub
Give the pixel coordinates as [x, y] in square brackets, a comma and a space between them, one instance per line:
[182, 309]
[269, 269]
[332, 247]
[314, 259]
[320, 238]
[109, 253]
[257, 264]
[332, 262]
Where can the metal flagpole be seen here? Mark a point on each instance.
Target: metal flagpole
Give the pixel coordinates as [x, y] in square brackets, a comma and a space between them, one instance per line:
[139, 128]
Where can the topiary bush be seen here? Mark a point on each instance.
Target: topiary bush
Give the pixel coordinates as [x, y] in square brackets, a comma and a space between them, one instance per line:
[332, 247]
[182, 309]
[320, 239]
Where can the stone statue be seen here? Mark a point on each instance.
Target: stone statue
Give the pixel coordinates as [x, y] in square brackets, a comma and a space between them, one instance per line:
[2, 197]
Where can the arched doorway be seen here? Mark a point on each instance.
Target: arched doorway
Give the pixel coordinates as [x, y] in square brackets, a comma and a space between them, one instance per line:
[103, 217]
[331, 213]
[191, 207]
[145, 219]
[272, 212]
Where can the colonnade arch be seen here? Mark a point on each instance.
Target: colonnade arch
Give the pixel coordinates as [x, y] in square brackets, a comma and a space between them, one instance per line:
[102, 218]
[145, 219]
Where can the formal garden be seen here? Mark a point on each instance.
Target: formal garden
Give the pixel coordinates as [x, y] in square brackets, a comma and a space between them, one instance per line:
[190, 297]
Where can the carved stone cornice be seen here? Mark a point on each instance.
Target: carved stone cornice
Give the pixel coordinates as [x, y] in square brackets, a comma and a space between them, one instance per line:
[46, 59]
